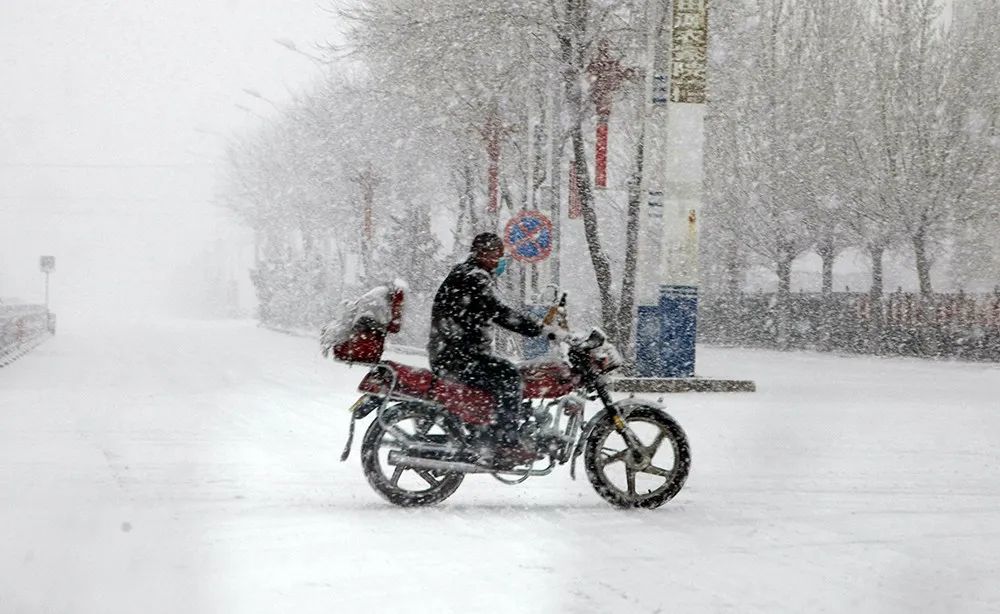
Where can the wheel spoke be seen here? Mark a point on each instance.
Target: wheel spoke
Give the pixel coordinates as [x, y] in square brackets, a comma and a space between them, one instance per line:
[423, 426]
[630, 479]
[654, 470]
[653, 447]
[397, 472]
[631, 439]
[619, 456]
[428, 477]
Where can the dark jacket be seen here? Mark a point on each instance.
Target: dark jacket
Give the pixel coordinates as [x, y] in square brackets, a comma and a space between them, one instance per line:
[464, 307]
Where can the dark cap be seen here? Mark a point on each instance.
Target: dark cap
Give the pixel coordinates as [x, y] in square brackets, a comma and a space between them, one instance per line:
[486, 242]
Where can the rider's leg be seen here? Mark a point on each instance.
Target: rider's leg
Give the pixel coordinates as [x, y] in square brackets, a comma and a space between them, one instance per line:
[501, 378]
[508, 388]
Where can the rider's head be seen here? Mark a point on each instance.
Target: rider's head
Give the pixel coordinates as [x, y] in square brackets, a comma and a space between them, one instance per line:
[487, 249]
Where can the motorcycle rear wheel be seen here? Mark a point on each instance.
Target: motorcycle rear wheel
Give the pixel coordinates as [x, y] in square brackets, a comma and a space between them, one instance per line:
[606, 451]
[409, 487]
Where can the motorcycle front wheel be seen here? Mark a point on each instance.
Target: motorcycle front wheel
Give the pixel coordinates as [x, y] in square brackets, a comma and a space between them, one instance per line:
[643, 476]
[409, 487]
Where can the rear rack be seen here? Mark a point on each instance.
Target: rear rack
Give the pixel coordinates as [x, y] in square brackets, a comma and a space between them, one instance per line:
[389, 395]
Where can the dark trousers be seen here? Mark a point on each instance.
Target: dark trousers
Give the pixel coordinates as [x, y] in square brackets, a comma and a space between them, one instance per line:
[496, 375]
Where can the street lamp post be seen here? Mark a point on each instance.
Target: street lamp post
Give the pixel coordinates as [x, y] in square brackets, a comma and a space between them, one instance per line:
[47, 264]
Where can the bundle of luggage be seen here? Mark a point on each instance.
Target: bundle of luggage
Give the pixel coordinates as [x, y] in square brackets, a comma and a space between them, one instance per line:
[358, 333]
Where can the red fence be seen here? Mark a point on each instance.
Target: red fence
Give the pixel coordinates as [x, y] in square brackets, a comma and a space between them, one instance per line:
[953, 325]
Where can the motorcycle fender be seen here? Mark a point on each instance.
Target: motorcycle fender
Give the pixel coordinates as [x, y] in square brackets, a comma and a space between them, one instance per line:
[624, 406]
[361, 408]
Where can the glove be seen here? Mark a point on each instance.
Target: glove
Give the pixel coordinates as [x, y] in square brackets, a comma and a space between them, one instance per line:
[554, 333]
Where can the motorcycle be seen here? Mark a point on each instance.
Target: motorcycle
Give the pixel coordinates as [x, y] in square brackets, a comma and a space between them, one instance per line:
[427, 432]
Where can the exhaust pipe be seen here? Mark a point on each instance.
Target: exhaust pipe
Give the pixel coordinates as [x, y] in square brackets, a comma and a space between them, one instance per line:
[401, 459]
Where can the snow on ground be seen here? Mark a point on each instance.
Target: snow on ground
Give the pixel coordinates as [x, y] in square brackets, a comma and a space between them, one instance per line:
[193, 467]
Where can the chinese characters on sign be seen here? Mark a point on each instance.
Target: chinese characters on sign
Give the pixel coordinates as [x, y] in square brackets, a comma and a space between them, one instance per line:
[689, 57]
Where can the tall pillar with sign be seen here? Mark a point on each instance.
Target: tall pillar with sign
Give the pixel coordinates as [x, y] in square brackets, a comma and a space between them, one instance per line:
[667, 292]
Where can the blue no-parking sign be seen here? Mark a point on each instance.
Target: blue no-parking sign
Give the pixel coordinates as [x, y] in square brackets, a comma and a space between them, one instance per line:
[528, 236]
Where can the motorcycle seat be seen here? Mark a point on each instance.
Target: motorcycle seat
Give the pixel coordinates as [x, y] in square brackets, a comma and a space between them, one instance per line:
[473, 405]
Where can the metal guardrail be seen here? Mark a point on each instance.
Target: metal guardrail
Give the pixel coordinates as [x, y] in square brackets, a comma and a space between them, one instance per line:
[23, 328]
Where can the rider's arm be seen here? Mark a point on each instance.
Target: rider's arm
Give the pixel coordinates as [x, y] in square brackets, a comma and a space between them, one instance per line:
[503, 315]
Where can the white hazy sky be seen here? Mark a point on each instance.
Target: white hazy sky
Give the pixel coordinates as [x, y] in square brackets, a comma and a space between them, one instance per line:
[111, 121]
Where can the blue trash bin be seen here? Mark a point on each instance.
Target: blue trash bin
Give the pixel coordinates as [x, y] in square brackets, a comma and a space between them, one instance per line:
[666, 332]
[678, 330]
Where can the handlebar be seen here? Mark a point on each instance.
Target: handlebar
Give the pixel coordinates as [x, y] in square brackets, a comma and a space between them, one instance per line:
[556, 317]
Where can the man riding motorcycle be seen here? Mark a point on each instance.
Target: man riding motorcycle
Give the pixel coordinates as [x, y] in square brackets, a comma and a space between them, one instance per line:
[465, 306]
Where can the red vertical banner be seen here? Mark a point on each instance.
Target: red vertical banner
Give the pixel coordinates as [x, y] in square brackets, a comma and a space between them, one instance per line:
[575, 206]
[601, 153]
[607, 75]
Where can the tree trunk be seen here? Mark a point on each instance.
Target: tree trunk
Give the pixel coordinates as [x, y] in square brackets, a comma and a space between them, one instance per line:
[878, 280]
[573, 63]
[923, 263]
[626, 306]
[734, 274]
[470, 201]
[784, 269]
[828, 255]
[875, 299]
[636, 189]
[929, 342]
[602, 266]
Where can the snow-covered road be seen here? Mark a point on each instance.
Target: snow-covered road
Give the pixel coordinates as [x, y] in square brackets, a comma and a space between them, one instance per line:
[193, 467]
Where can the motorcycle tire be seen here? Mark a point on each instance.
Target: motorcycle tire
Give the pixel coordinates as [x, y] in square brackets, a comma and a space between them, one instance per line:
[438, 486]
[597, 460]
